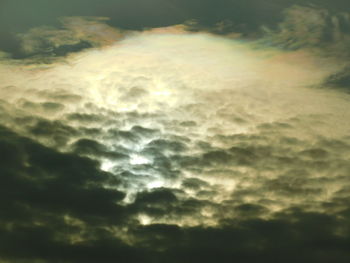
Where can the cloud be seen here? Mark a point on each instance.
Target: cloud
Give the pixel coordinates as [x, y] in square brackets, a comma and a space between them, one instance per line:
[173, 146]
[76, 34]
[52, 200]
[313, 27]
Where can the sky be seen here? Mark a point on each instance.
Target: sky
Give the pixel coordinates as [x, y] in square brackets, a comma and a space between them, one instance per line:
[168, 131]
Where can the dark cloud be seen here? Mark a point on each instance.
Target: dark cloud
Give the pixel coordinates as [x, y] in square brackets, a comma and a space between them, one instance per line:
[194, 183]
[84, 118]
[325, 31]
[93, 148]
[340, 80]
[51, 199]
[58, 202]
[57, 132]
[18, 18]
[251, 240]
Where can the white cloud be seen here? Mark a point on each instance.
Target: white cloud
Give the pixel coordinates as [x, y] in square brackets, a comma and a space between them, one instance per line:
[224, 88]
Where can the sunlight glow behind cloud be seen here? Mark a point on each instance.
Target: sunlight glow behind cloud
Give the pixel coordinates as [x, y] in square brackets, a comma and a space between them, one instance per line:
[184, 89]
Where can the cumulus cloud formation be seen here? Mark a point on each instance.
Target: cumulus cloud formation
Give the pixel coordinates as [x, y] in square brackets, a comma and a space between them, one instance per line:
[169, 145]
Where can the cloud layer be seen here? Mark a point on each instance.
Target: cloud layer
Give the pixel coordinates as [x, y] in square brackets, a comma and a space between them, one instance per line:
[169, 145]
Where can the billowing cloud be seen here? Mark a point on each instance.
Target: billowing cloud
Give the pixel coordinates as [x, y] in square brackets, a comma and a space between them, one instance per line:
[169, 145]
